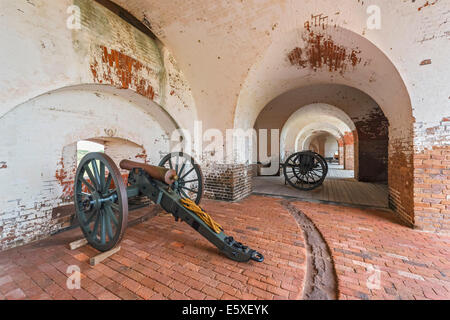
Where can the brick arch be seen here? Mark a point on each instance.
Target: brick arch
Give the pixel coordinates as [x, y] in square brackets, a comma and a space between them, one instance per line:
[306, 138]
[320, 138]
[38, 167]
[322, 117]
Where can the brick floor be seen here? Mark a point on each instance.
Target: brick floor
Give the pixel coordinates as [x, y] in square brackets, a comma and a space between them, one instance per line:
[162, 259]
[367, 245]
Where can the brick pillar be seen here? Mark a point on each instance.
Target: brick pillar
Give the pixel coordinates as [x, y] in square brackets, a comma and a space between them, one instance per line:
[432, 177]
[341, 151]
[373, 140]
[228, 182]
[401, 178]
[349, 151]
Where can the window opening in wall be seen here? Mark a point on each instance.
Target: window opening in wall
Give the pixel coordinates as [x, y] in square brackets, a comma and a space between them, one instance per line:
[85, 147]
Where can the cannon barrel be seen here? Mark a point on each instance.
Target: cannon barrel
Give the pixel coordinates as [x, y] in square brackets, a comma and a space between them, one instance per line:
[165, 175]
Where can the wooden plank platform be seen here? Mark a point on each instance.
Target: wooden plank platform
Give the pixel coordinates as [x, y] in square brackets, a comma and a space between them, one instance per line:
[339, 186]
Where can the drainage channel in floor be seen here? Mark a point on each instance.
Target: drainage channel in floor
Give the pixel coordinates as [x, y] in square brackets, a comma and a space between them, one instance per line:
[320, 281]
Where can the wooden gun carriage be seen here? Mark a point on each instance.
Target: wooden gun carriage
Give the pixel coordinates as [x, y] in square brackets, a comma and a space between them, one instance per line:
[102, 200]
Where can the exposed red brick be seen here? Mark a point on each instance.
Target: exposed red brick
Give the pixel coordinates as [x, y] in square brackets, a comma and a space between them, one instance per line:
[321, 51]
[124, 68]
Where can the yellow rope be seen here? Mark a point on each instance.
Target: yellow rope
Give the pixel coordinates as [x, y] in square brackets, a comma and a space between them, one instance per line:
[191, 205]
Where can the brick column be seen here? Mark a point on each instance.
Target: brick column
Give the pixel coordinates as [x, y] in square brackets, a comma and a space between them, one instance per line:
[401, 178]
[432, 177]
[349, 151]
[373, 140]
[228, 182]
[341, 152]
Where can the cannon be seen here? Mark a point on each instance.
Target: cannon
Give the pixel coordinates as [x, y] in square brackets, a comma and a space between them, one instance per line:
[103, 200]
[305, 170]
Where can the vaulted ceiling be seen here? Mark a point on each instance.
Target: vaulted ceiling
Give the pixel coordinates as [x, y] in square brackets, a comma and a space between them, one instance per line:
[238, 55]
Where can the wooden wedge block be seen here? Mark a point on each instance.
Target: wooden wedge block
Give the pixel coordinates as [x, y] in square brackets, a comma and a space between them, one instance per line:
[77, 244]
[102, 256]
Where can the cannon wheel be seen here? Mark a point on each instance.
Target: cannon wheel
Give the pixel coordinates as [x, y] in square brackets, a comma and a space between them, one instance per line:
[101, 201]
[314, 179]
[324, 161]
[305, 170]
[190, 182]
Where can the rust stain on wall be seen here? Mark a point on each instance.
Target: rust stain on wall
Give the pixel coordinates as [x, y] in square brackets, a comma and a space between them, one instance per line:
[65, 180]
[425, 62]
[122, 71]
[427, 4]
[142, 155]
[321, 51]
[3, 165]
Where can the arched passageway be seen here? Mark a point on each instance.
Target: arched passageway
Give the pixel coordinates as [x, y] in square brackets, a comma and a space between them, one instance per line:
[371, 119]
[331, 132]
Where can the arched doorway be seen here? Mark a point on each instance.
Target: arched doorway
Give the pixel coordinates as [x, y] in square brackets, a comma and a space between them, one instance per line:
[65, 117]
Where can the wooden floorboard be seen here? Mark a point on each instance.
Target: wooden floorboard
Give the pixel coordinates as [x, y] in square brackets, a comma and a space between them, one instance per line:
[339, 186]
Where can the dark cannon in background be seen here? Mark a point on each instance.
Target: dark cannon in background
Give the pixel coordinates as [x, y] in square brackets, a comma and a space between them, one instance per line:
[102, 200]
[305, 170]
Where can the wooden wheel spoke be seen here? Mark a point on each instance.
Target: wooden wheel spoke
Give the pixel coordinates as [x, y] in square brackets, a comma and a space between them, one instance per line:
[185, 175]
[96, 174]
[96, 224]
[315, 173]
[176, 164]
[182, 168]
[307, 176]
[108, 225]
[115, 206]
[91, 176]
[85, 194]
[112, 216]
[189, 181]
[189, 189]
[89, 220]
[108, 181]
[111, 192]
[103, 229]
[102, 176]
[87, 184]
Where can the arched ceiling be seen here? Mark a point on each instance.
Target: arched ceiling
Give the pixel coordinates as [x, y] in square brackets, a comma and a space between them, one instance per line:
[336, 56]
[304, 145]
[310, 118]
[312, 131]
[235, 54]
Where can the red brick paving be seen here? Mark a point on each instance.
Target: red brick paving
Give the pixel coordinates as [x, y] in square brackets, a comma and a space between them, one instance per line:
[412, 264]
[162, 259]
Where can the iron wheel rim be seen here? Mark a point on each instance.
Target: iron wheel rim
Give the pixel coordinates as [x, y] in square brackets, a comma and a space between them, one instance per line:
[102, 211]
